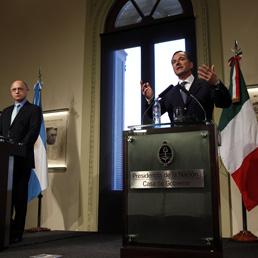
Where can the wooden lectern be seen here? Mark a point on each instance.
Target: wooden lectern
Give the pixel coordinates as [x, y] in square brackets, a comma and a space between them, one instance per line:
[7, 151]
[171, 193]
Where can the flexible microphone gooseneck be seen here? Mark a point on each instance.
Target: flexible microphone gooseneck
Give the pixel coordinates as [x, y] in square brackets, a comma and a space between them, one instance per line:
[196, 100]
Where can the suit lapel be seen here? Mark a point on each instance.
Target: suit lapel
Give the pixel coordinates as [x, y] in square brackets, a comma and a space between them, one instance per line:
[20, 113]
[9, 115]
[195, 87]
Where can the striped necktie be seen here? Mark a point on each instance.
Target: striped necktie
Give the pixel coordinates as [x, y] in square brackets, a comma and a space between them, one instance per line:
[15, 111]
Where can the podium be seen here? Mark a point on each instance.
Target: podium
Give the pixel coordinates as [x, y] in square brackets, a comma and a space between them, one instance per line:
[171, 193]
[7, 151]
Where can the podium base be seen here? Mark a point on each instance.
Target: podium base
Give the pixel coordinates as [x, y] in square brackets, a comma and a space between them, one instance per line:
[151, 252]
[245, 236]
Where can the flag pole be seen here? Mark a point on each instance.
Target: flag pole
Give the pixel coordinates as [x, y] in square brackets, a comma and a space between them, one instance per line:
[40, 196]
[244, 235]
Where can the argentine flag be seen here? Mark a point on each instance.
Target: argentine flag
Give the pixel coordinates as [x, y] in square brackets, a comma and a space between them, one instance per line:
[39, 180]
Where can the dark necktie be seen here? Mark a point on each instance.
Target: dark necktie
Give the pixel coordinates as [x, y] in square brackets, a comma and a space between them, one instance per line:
[183, 94]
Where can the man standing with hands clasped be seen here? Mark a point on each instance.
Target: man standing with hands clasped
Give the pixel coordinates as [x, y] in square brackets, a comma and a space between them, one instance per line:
[207, 89]
[20, 123]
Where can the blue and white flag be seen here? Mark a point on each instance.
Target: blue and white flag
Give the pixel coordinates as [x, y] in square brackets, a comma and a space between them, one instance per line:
[39, 179]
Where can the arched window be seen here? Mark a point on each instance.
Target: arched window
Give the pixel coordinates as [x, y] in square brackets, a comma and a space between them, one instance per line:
[139, 39]
[133, 13]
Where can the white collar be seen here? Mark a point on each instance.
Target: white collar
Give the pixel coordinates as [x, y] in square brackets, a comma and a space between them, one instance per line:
[21, 103]
[189, 80]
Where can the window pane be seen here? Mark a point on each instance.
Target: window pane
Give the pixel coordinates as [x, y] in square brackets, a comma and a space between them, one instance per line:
[132, 89]
[119, 75]
[146, 6]
[167, 8]
[127, 15]
[127, 104]
[164, 74]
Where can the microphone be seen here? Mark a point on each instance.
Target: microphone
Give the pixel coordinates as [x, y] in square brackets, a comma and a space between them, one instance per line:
[163, 93]
[196, 100]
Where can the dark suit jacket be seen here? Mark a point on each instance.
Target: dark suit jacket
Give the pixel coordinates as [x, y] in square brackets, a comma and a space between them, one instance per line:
[206, 94]
[24, 129]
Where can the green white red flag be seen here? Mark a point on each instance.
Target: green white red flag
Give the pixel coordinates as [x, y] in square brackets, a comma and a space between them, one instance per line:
[239, 137]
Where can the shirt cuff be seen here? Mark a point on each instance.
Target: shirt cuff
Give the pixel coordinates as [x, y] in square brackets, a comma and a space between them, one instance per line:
[149, 100]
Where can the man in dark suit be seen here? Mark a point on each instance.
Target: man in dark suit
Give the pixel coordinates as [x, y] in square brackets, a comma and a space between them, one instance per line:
[207, 90]
[21, 124]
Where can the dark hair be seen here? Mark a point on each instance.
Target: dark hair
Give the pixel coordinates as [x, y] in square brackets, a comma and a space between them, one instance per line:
[188, 55]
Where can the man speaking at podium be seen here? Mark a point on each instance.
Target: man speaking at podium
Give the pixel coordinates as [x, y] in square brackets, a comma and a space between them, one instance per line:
[195, 96]
[21, 124]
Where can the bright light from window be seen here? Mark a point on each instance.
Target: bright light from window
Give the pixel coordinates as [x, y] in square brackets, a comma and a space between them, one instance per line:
[128, 76]
[132, 89]
[164, 74]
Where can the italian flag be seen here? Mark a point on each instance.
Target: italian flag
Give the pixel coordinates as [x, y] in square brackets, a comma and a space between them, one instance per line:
[239, 137]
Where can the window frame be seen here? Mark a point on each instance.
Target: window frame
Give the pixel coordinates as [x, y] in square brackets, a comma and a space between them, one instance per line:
[145, 36]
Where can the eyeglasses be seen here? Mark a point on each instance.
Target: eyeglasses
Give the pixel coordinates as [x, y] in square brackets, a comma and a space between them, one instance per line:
[17, 89]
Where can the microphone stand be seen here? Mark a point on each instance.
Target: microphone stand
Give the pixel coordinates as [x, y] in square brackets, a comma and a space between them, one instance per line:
[204, 112]
[197, 101]
[38, 228]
